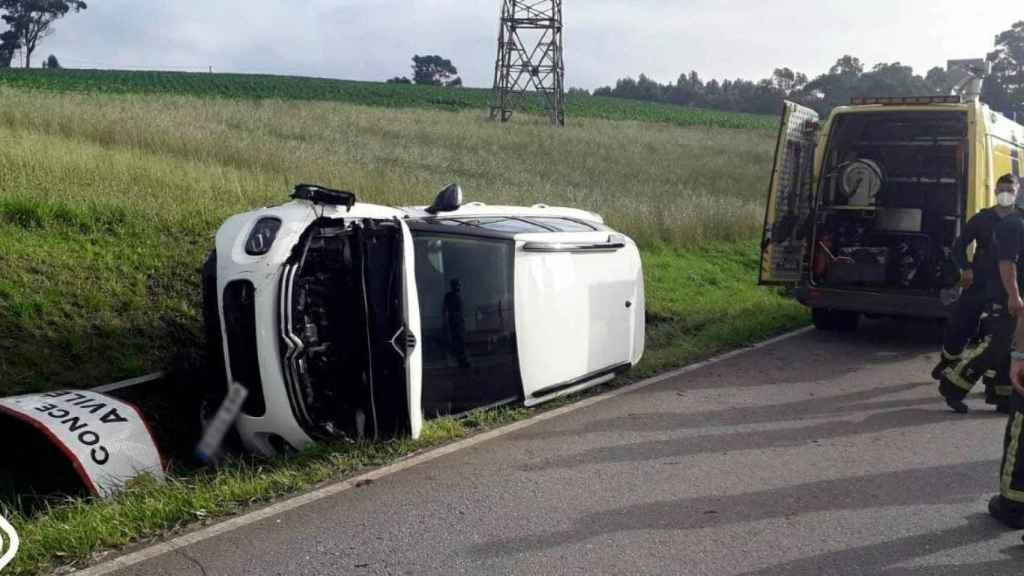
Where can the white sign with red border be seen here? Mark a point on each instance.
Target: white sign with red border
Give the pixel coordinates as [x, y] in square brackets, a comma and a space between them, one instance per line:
[106, 439]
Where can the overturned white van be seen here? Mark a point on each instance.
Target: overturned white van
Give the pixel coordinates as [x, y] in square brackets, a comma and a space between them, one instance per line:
[345, 319]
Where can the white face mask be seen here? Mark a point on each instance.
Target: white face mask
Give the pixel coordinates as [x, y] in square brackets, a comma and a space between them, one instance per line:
[1006, 199]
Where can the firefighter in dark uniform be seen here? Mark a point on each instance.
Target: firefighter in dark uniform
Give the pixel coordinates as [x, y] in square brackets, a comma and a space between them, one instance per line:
[1008, 505]
[958, 371]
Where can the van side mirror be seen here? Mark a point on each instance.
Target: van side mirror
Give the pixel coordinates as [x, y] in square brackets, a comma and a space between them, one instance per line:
[447, 200]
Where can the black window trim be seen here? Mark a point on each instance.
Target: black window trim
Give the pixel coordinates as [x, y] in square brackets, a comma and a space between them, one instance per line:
[434, 225]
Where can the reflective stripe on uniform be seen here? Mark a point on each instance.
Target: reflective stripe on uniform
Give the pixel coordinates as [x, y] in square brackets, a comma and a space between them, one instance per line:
[954, 373]
[1010, 463]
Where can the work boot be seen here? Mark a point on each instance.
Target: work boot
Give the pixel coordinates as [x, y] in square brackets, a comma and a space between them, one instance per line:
[954, 396]
[989, 380]
[1007, 512]
[945, 361]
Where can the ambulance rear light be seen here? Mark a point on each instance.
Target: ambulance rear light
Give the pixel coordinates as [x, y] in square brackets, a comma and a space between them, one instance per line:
[905, 100]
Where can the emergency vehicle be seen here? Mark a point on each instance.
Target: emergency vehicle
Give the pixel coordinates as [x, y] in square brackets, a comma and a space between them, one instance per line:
[863, 208]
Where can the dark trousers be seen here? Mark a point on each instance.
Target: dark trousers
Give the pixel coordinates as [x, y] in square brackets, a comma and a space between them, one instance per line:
[963, 325]
[1011, 477]
[991, 355]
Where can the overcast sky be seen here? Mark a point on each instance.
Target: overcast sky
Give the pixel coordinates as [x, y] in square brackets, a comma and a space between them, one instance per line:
[604, 39]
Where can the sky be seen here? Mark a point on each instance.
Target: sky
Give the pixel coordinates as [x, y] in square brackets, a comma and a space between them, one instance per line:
[604, 39]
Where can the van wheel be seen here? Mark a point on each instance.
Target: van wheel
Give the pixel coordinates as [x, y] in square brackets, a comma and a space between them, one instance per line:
[835, 320]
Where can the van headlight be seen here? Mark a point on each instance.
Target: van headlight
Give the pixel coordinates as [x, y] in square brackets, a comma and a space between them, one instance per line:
[262, 236]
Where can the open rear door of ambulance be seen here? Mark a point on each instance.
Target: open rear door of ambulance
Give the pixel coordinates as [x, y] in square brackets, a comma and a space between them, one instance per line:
[790, 198]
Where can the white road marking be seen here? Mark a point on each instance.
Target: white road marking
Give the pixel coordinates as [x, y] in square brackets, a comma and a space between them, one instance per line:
[294, 502]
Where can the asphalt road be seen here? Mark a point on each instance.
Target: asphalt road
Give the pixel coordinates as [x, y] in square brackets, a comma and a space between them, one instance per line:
[822, 454]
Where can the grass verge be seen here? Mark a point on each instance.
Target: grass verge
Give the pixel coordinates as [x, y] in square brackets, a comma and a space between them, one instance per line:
[700, 302]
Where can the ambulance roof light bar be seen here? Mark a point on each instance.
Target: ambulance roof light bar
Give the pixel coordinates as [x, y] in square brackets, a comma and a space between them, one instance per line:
[905, 100]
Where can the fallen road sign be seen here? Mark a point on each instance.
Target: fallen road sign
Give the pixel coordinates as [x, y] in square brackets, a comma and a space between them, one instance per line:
[107, 440]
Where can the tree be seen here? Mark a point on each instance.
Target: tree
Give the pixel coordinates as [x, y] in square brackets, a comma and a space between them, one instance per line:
[1004, 89]
[399, 80]
[893, 79]
[9, 44]
[32, 20]
[847, 66]
[51, 62]
[788, 81]
[837, 86]
[433, 70]
[938, 80]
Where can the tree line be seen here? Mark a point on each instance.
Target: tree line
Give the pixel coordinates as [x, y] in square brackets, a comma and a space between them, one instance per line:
[847, 78]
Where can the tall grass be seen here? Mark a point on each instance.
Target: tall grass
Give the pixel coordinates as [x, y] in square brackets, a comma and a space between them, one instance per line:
[109, 203]
[658, 183]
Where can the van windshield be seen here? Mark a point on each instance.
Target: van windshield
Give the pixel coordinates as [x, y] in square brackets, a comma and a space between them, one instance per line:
[892, 199]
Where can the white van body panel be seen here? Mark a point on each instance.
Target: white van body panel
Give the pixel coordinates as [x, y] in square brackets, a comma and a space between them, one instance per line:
[576, 315]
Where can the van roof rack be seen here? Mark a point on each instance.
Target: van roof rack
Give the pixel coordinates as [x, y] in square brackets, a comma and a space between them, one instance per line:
[905, 100]
[322, 195]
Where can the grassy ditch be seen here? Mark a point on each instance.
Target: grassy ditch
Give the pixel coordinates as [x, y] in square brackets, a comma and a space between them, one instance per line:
[700, 302]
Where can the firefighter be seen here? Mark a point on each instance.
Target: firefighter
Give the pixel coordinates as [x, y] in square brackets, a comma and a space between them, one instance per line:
[983, 295]
[1008, 505]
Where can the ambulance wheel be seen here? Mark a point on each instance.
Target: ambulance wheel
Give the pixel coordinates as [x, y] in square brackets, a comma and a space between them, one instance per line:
[835, 320]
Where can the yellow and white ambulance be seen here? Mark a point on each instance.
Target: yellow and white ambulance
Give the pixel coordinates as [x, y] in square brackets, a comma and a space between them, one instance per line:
[864, 208]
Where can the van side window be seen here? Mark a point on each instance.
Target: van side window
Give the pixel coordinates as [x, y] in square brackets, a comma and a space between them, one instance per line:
[466, 295]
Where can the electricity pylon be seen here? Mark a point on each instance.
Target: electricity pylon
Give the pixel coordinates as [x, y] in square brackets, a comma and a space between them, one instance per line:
[529, 58]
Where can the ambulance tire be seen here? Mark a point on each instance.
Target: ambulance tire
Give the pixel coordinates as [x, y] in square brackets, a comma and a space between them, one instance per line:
[829, 320]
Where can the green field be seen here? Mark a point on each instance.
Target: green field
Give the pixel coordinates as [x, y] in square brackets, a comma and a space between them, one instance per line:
[261, 87]
[109, 203]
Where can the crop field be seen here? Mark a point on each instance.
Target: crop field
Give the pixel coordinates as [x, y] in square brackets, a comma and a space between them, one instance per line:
[260, 87]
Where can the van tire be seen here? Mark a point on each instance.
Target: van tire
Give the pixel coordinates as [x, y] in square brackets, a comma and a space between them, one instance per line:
[829, 320]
